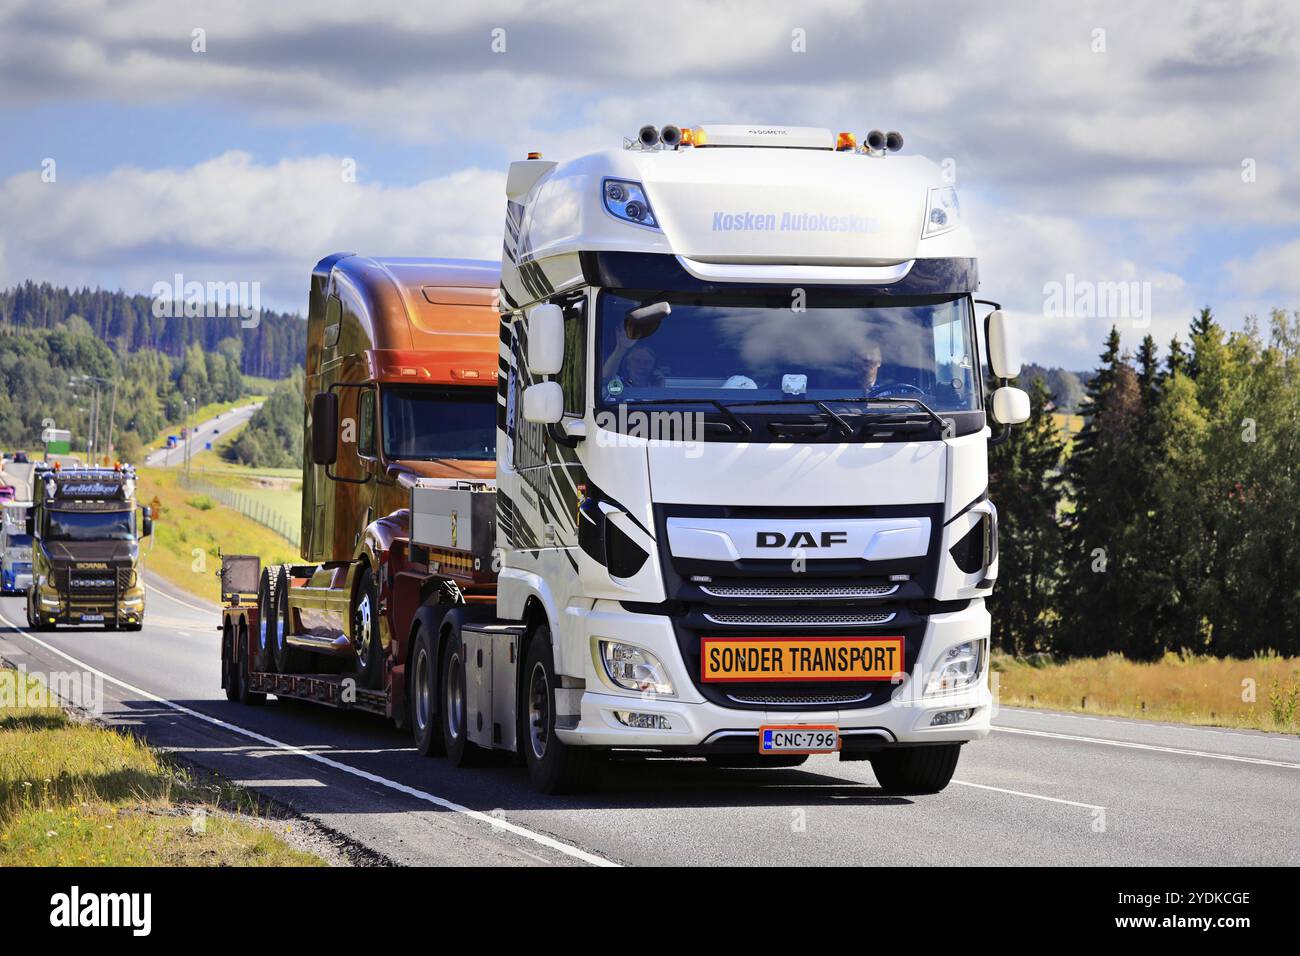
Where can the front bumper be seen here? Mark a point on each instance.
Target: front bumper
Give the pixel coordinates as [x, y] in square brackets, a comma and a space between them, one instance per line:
[696, 724]
[126, 608]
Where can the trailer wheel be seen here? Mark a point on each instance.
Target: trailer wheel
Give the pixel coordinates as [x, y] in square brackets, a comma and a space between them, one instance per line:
[460, 751]
[422, 696]
[914, 770]
[553, 766]
[267, 605]
[369, 662]
[286, 659]
[774, 761]
[246, 696]
[231, 666]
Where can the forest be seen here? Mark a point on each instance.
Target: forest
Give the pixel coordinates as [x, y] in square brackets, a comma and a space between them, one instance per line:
[1172, 523]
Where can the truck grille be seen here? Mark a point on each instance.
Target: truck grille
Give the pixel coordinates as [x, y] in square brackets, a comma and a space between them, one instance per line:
[799, 700]
[787, 592]
[800, 618]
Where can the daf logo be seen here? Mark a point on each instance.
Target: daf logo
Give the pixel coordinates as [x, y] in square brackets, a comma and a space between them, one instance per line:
[801, 539]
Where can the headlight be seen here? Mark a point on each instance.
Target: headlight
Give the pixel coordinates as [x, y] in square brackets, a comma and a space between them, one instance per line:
[626, 200]
[942, 212]
[633, 668]
[959, 667]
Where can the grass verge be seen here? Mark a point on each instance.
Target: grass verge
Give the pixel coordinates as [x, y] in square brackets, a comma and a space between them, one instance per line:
[73, 794]
[193, 530]
[1261, 693]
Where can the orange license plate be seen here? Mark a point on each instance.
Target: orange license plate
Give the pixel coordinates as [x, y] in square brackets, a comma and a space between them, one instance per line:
[800, 658]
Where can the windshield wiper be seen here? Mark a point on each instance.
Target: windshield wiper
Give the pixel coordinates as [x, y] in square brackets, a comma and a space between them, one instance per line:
[943, 424]
[733, 420]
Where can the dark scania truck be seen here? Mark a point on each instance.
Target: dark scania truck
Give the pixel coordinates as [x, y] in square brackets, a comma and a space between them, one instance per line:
[85, 548]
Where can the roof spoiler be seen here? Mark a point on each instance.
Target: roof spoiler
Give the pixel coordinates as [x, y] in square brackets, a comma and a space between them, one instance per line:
[320, 280]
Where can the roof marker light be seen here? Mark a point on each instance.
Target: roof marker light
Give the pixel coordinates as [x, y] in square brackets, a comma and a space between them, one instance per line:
[534, 155]
[845, 142]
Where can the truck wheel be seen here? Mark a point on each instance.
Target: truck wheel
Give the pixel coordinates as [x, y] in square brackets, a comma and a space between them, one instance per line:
[422, 697]
[554, 766]
[245, 695]
[455, 712]
[757, 760]
[267, 625]
[913, 770]
[285, 659]
[365, 633]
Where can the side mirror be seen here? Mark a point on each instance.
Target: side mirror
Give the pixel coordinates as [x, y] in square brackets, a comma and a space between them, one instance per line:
[30, 522]
[1004, 345]
[544, 403]
[325, 428]
[1011, 405]
[545, 339]
[146, 524]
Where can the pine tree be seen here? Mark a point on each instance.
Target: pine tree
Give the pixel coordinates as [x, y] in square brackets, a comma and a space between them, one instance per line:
[1025, 485]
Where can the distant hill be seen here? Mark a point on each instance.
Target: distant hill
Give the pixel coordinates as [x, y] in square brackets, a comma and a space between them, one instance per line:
[1067, 387]
[126, 323]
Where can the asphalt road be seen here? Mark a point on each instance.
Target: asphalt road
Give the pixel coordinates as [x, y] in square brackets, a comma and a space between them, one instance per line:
[202, 434]
[1044, 788]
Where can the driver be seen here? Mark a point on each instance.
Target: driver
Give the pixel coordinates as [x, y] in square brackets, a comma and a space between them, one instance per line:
[635, 363]
[869, 363]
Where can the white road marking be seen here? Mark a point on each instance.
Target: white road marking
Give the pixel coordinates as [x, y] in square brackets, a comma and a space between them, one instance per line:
[1154, 747]
[192, 607]
[1032, 796]
[1198, 728]
[495, 822]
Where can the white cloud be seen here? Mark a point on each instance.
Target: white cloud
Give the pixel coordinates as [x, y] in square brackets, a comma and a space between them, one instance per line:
[231, 219]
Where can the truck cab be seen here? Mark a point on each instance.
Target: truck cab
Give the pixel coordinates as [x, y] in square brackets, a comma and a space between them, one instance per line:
[742, 454]
[15, 548]
[85, 533]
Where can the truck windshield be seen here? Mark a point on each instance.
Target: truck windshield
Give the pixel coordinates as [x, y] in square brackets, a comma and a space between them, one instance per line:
[90, 525]
[423, 423]
[757, 346]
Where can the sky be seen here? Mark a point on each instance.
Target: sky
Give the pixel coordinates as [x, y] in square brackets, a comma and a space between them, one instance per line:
[1155, 144]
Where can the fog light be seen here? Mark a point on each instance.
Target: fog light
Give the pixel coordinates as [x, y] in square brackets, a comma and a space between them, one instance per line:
[632, 719]
[632, 668]
[958, 667]
[952, 717]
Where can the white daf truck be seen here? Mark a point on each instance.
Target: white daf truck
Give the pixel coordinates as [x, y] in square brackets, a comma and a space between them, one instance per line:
[741, 495]
[740, 501]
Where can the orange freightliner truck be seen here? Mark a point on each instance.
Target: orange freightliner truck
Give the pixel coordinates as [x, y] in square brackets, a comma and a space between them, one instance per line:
[402, 367]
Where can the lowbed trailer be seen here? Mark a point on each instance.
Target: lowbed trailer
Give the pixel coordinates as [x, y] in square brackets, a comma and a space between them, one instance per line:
[699, 469]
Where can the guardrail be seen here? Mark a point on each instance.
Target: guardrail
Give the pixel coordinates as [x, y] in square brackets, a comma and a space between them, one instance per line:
[246, 505]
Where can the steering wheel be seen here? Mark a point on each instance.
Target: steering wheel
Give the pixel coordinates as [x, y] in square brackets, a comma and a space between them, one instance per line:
[908, 390]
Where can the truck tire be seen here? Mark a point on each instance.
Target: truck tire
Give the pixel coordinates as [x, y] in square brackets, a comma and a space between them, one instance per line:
[454, 714]
[244, 694]
[267, 605]
[553, 766]
[915, 770]
[230, 668]
[775, 761]
[34, 621]
[285, 659]
[369, 663]
[422, 696]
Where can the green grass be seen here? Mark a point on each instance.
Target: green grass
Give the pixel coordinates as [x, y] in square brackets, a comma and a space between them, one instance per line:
[1262, 693]
[73, 794]
[193, 530]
